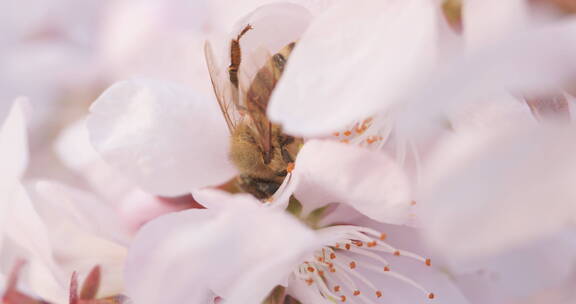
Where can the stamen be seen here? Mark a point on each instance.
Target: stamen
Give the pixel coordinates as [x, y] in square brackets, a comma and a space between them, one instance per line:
[329, 269]
[352, 265]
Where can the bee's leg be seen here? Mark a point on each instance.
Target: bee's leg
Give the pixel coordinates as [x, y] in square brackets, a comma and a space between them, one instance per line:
[236, 56]
[260, 188]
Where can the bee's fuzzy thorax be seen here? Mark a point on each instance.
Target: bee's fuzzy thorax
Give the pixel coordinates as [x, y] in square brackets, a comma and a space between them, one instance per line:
[248, 157]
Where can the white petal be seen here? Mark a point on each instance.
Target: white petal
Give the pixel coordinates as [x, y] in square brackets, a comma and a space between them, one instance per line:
[179, 257]
[166, 138]
[369, 181]
[490, 190]
[355, 58]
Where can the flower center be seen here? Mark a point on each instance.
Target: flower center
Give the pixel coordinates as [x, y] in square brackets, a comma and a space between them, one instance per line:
[357, 134]
[337, 269]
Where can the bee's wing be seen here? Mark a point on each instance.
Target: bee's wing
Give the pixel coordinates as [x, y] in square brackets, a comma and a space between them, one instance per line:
[251, 64]
[257, 98]
[259, 93]
[226, 94]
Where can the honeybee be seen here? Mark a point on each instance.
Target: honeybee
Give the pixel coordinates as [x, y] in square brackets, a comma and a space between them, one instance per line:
[259, 149]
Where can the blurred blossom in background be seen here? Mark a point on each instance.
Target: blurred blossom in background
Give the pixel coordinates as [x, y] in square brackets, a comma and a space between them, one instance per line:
[433, 155]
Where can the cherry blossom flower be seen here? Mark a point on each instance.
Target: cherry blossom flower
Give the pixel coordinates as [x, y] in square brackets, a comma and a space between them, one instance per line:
[419, 82]
[195, 255]
[492, 178]
[170, 140]
[424, 59]
[56, 229]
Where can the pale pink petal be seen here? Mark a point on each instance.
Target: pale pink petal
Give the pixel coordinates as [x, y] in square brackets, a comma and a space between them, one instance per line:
[25, 226]
[74, 149]
[180, 257]
[157, 39]
[369, 181]
[14, 141]
[217, 199]
[488, 190]
[266, 275]
[487, 21]
[433, 279]
[501, 111]
[83, 232]
[275, 25]
[25, 237]
[13, 160]
[160, 253]
[299, 290]
[2, 282]
[19, 18]
[225, 14]
[363, 56]
[543, 265]
[527, 62]
[139, 207]
[86, 210]
[164, 137]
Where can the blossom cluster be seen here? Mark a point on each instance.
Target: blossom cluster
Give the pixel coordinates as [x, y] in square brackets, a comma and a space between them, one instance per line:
[417, 151]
